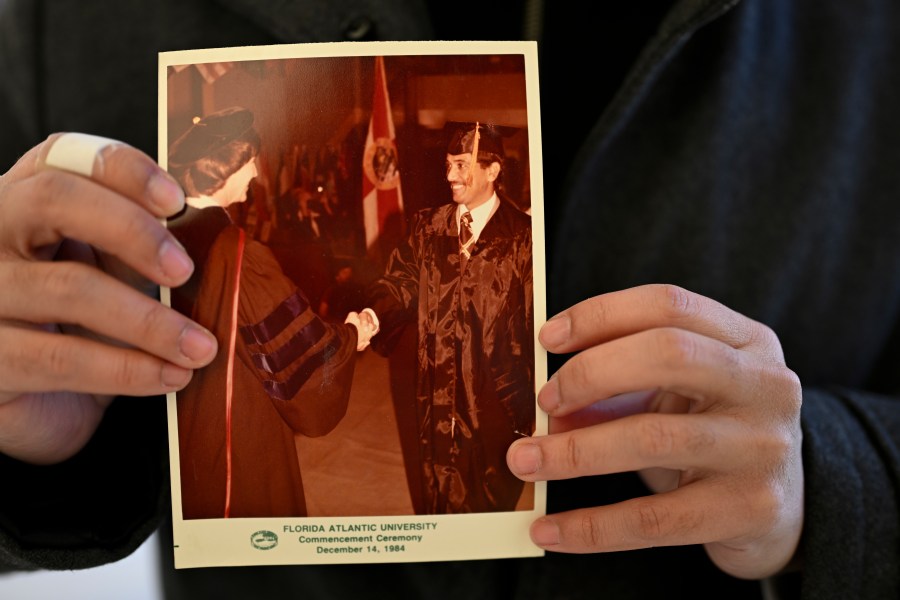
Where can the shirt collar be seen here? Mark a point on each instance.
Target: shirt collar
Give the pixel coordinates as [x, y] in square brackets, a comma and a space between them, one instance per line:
[201, 202]
[480, 215]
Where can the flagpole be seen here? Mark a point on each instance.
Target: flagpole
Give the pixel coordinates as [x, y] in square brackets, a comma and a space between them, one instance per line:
[382, 194]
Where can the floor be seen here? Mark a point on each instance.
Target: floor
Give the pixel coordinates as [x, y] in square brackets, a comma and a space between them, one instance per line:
[357, 469]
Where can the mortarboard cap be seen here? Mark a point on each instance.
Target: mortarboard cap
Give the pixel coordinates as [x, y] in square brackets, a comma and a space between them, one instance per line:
[209, 134]
[490, 139]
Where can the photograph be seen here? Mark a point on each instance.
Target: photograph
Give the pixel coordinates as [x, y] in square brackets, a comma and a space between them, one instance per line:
[366, 225]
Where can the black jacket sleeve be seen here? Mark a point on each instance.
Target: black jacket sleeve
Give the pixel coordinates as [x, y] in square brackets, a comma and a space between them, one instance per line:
[94, 508]
[852, 479]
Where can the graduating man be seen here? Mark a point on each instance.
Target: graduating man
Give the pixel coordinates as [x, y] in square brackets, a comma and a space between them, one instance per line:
[465, 275]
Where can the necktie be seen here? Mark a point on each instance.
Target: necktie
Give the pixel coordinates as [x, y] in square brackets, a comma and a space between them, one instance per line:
[465, 233]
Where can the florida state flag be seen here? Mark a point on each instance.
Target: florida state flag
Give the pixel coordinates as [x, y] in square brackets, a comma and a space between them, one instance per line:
[382, 199]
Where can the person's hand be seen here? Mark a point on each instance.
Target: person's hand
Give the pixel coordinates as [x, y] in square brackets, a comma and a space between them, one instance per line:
[366, 324]
[80, 325]
[716, 436]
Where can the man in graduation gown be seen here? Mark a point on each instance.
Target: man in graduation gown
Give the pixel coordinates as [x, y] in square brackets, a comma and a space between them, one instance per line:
[465, 276]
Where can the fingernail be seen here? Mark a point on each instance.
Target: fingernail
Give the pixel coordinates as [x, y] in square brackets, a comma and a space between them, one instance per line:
[174, 377]
[526, 459]
[174, 261]
[555, 332]
[165, 193]
[197, 344]
[545, 532]
[549, 397]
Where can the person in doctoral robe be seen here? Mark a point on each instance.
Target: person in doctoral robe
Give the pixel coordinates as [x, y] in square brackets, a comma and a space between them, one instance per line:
[280, 370]
[464, 275]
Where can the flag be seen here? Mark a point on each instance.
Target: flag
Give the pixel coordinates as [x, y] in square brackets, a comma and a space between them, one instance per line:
[382, 198]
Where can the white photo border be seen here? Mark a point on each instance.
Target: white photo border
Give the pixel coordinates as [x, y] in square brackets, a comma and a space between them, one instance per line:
[277, 541]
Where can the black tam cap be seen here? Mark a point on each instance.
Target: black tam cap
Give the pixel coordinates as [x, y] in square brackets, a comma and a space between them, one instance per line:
[211, 133]
[213, 149]
[490, 139]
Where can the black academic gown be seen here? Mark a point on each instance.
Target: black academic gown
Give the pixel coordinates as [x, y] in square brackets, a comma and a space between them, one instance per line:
[475, 352]
[291, 374]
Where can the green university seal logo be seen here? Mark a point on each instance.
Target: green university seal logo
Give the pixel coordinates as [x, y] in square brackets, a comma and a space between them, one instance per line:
[264, 540]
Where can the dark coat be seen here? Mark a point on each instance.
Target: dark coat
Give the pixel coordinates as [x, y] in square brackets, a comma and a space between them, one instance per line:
[475, 352]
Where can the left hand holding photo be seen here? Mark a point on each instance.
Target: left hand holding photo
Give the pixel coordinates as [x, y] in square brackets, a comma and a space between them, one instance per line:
[696, 398]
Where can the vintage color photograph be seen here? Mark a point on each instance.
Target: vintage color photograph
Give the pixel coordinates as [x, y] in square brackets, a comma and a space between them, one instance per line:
[367, 236]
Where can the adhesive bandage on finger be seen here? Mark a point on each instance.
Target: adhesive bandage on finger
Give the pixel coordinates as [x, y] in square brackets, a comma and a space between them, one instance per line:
[76, 152]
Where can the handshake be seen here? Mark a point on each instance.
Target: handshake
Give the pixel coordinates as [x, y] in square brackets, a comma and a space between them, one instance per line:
[366, 323]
